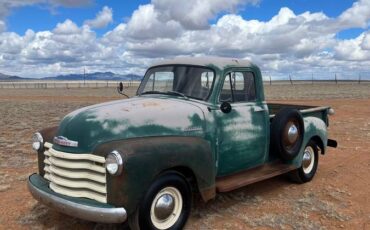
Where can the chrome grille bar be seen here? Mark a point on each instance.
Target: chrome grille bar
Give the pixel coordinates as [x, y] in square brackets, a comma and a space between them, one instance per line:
[75, 175]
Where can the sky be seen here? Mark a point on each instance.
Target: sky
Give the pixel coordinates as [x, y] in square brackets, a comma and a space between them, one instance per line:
[42, 38]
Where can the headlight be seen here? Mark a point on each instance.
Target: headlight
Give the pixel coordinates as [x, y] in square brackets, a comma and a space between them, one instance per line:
[114, 163]
[37, 141]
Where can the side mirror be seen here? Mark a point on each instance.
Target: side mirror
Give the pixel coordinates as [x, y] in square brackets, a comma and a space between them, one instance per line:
[120, 89]
[225, 107]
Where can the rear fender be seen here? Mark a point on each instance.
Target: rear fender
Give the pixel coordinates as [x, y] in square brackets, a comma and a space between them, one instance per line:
[315, 129]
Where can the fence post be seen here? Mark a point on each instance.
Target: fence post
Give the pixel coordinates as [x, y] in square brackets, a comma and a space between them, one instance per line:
[290, 79]
[312, 78]
[359, 78]
[336, 81]
[270, 80]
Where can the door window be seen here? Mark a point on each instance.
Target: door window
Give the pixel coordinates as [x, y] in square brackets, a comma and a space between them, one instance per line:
[238, 87]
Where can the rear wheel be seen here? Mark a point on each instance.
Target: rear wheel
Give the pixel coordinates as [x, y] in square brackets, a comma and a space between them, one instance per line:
[166, 205]
[287, 131]
[309, 166]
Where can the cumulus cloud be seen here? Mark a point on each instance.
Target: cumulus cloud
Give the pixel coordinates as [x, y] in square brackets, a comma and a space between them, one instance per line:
[2, 26]
[356, 16]
[103, 18]
[195, 14]
[287, 42]
[354, 49]
[7, 5]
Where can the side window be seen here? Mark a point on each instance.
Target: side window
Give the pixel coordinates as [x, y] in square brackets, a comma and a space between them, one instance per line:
[238, 87]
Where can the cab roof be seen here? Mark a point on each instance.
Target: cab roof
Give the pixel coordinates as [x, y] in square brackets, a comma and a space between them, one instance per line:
[220, 62]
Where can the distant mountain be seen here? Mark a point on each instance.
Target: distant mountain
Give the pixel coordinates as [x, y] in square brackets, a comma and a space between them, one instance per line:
[4, 77]
[105, 76]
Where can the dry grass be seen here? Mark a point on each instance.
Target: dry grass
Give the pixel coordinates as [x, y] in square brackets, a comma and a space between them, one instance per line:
[335, 199]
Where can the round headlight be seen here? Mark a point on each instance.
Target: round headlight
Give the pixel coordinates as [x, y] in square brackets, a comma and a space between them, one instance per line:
[114, 163]
[37, 141]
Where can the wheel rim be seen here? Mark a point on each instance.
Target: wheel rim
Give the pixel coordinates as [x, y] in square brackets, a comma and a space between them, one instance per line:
[166, 208]
[308, 159]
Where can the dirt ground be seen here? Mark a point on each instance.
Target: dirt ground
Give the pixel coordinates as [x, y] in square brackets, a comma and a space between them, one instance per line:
[338, 197]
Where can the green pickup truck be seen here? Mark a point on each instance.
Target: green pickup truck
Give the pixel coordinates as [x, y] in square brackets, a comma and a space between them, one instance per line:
[196, 126]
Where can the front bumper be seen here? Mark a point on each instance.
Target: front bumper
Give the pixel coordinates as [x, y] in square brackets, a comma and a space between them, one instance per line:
[77, 207]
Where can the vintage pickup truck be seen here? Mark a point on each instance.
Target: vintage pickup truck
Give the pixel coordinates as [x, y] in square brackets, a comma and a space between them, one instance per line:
[197, 125]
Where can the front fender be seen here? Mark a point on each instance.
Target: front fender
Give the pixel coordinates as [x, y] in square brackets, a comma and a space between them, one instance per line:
[145, 158]
[314, 128]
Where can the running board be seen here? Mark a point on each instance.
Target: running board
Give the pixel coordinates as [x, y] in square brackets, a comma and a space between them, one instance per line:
[250, 176]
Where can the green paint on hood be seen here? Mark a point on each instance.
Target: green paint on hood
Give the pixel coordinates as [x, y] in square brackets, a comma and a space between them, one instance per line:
[135, 117]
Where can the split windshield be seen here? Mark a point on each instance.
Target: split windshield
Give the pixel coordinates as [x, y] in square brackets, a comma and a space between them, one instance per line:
[185, 81]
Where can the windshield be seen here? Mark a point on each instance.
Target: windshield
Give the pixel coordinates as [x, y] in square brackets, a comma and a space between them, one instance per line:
[186, 81]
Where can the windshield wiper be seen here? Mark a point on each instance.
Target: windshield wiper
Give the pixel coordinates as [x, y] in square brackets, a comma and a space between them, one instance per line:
[152, 92]
[177, 93]
[167, 92]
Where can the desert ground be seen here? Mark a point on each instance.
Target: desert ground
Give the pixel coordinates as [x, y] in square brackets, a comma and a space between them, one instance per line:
[337, 198]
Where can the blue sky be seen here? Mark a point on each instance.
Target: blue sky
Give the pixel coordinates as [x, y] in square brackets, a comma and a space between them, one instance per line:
[25, 18]
[49, 37]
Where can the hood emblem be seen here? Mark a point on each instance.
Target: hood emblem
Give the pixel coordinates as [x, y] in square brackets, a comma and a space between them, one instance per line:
[60, 140]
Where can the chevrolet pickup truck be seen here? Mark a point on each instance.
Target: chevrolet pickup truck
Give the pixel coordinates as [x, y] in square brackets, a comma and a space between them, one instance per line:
[197, 125]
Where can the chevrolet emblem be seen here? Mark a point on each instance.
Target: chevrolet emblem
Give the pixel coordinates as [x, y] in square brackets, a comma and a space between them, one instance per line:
[60, 140]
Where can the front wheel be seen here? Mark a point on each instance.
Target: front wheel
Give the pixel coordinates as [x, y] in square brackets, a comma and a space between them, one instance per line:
[166, 205]
[310, 161]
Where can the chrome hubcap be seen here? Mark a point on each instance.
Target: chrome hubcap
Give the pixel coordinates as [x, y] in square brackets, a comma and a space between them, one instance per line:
[164, 207]
[292, 134]
[308, 159]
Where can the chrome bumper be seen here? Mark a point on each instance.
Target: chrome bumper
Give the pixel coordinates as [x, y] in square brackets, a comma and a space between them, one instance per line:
[82, 211]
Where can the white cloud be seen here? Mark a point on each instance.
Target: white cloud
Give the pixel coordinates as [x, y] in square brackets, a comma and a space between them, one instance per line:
[2, 26]
[7, 5]
[356, 16]
[103, 18]
[285, 43]
[353, 49]
[67, 27]
[194, 14]
[144, 24]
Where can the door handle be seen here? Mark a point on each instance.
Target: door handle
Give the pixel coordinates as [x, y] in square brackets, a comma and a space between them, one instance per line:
[259, 109]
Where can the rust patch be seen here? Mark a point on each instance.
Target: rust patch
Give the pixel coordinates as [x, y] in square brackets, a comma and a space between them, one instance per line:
[151, 104]
[49, 133]
[250, 176]
[208, 193]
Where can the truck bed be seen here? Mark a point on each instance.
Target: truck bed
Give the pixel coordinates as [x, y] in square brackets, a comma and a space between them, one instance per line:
[306, 110]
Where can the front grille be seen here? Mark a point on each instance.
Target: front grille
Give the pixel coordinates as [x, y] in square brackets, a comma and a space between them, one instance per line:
[75, 175]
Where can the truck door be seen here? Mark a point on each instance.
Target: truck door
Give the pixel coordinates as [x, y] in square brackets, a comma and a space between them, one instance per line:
[242, 133]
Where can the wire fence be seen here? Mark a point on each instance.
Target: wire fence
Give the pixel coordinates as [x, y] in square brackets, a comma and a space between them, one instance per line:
[268, 78]
[316, 77]
[64, 84]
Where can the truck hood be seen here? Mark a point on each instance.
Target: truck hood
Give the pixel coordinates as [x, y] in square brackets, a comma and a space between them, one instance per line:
[130, 118]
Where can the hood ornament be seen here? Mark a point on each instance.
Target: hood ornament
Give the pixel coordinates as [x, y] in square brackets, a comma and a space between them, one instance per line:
[60, 140]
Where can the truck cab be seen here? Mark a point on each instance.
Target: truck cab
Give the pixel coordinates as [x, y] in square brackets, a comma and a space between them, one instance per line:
[196, 125]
